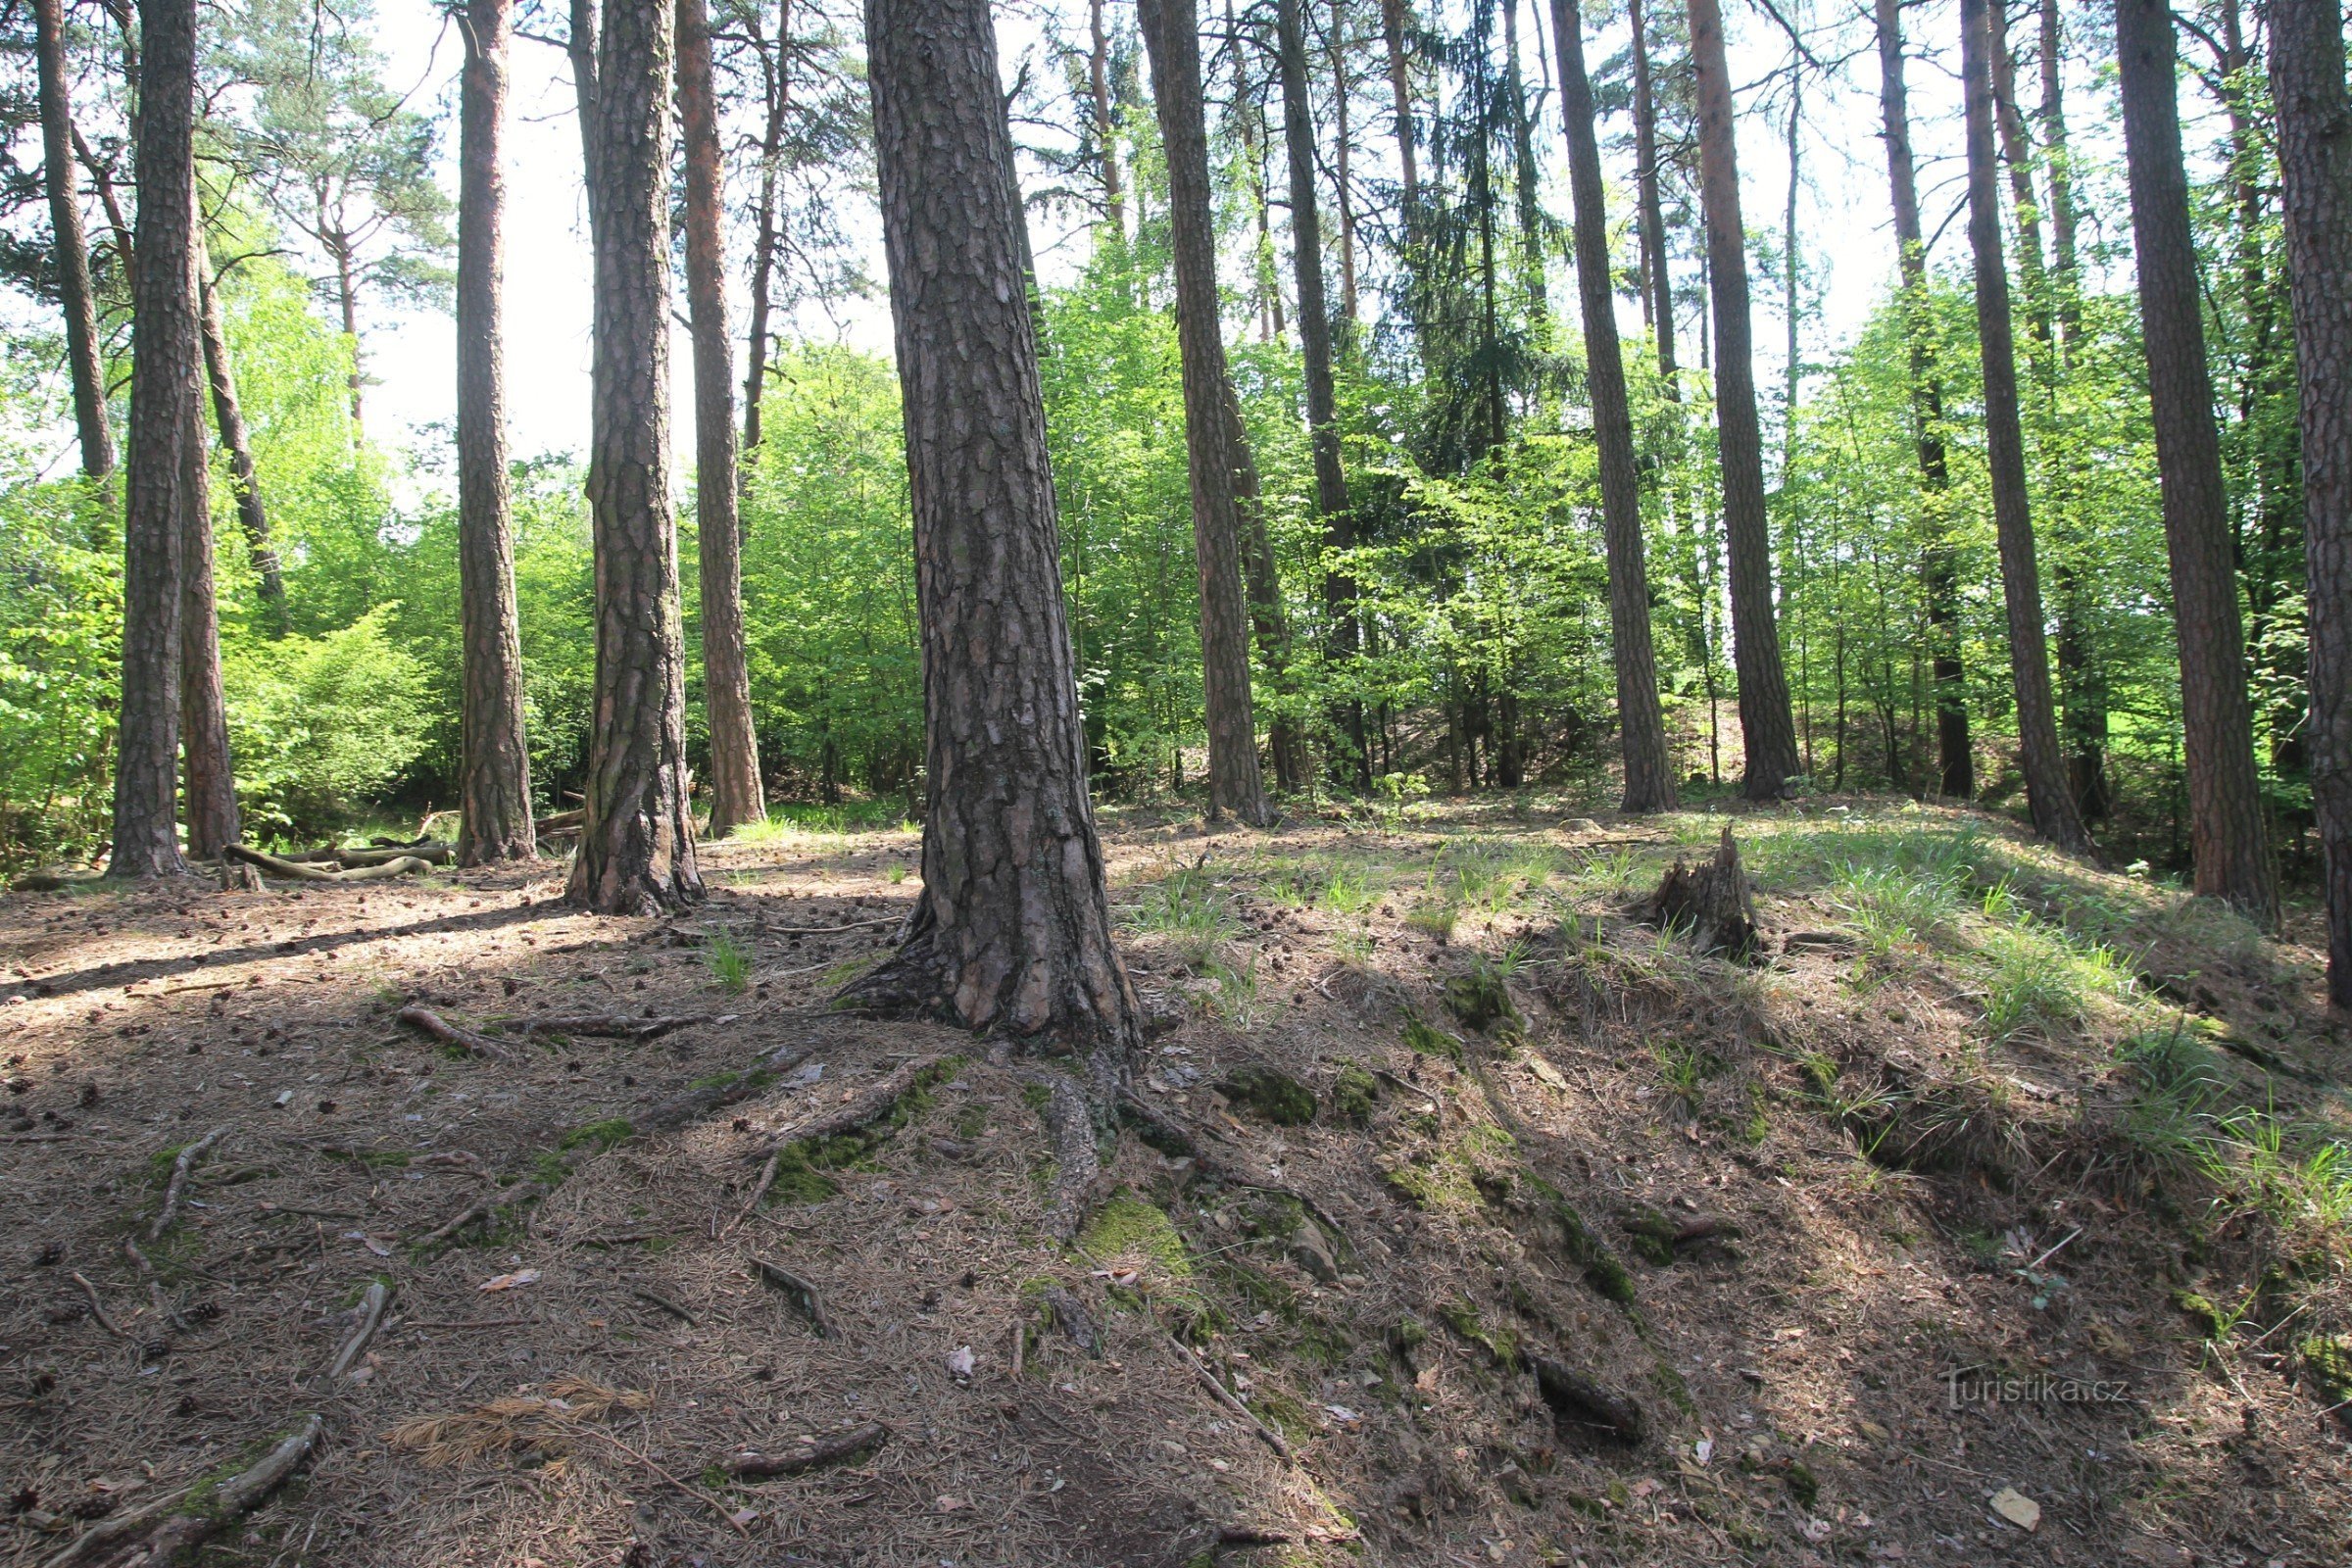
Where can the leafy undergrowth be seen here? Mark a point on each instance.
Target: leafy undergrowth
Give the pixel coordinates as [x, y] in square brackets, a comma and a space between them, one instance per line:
[1991, 1174]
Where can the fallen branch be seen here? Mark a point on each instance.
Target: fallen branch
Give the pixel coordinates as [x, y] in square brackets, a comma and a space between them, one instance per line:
[606, 1026]
[178, 1185]
[823, 1451]
[429, 1022]
[296, 871]
[654, 1298]
[434, 852]
[239, 1495]
[117, 1527]
[693, 1104]
[371, 1318]
[1228, 1398]
[803, 1295]
[865, 1108]
[98, 1308]
[481, 1208]
[154, 1291]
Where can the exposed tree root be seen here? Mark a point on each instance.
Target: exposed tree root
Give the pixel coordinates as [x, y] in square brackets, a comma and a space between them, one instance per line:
[1577, 1400]
[849, 1444]
[1069, 1116]
[179, 1534]
[1228, 1398]
[694, 1104]
[607, 1026]
[296, 871]
[522, 1192]
[178, 1185]
[1169, 1134]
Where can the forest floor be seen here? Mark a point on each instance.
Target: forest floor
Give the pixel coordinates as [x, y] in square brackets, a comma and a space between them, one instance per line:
[1993, 1212]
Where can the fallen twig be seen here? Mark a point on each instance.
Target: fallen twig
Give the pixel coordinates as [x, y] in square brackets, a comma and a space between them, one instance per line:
[154, 1291]
[117, 1527]
[693, 1104]
[484, 1208]
[98, 1308]
[607, 1026]
[823, 1451]
[654, 1298]
[183, 1533]
[178, 1185]
[429, 1022]
[803, 1296]
[371, 1318]
[687, 1487]
[466, 1323]
[1227, 1397]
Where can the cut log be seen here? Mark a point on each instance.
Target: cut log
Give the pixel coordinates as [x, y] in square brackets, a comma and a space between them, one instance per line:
[1709, 904]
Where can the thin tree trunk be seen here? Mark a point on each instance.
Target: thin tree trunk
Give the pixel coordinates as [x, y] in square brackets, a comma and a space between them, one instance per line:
[69, 244]
[1657, 283]
[1524, 175]
[1012, 930]
[582, 50]
[1314, 338]
[2017, 154]
[1793, 369]
[1648, 767]
[1342, 149]
[2314, 167]
[636, 852]
[208, 780]
[777, 86]
[735, 792]
[1107, 147]
[494, 802]
[1956, 770]
[1767, 728]
[167, 359]
[228, 413]
[1394, 17]
[1171, 33]
[1286, 748]
[346, 293]
[2052, 804]
[2226, 830]
[2068, 273]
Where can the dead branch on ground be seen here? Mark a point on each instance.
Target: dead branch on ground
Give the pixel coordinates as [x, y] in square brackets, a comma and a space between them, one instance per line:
[841, 1445]
[371, 1318]
[180, 1534]
[801, 1294]
[426, 1021]
[178, 1185]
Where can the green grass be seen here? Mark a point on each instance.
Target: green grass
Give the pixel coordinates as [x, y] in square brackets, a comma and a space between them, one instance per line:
[1191, 910]
[728, 960]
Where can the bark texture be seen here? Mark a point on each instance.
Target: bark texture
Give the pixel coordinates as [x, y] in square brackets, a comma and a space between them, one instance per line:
[494, 815]
[208, 781]
[2230, 850]
[1013, 932]
[69, 243]
[2050, 800]
[2315, 165]
[735, 793]
[1657, 283]
[1171, 33]
[1315, 355]
[245, 485]
[165, 367]
[776, 85]
[636, 854]
[1648, 767]
[1955, 764]
[1768, 728]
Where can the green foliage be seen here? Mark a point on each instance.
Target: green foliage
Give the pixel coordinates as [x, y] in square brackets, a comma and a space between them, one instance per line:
[728, 960]
[318, 724]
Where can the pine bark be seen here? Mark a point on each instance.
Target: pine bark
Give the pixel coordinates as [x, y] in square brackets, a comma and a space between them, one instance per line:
[2314, 167]
[165, 376]
[636, 853]
[735, 793]
[1106, 148]
[1171, 34]
[493, 813]
[776, 85]
[70, 244]
[1013, 929]
[1648, 767]
[1956, 768]
[1332, 506]
[1393, 20]
[2051, 802]
[245, 485]
[1343, 151]
[208, 780]
[2232, 856]
[1767, 727]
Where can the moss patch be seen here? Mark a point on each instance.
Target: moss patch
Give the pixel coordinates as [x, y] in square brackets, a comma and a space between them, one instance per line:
[1424, 1040]
[1271, 1096]
[1354, 1094]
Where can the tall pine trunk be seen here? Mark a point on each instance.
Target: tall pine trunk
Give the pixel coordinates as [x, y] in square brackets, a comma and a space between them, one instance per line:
[1648, 767]
[1395, 19]
[2231, 856]
[494, 780]
[1105, 127]
[2052, 804]
[69, 244]
[1171, 33]
[167, 359]
[735, 793]
[1657, 283]
[636, 853]
[776, 87]
[245, 484]
[1524, 177]
[1767, 727]
[1343, 151]
[1322, 399]
[207, 779]
[1956, 770]
[1012, 930]
[2315, 168]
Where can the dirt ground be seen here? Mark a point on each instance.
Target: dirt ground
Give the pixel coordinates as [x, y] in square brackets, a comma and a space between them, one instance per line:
[1598, 1155]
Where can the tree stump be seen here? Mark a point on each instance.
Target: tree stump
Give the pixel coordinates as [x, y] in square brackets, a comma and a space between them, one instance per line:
[1709, 903]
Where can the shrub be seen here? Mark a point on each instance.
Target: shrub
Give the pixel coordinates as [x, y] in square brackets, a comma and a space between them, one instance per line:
[318, 723]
